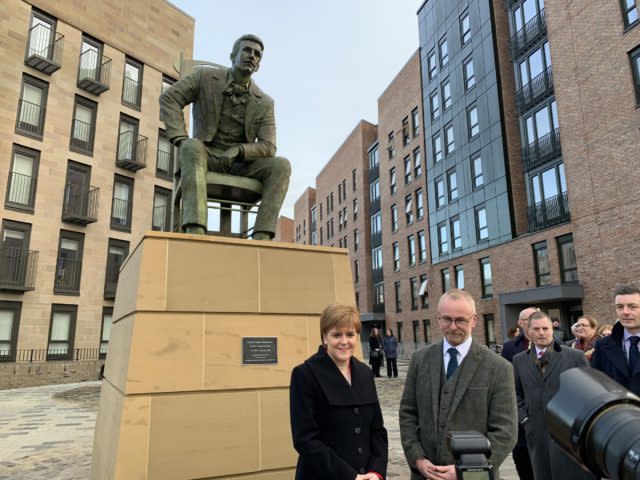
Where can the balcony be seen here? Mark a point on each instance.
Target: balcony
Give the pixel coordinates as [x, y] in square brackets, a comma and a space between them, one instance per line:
[534, 30]
[542, 150]
[82, 137]
[120, 214]
[376, 275]
[160, 221]
[68, 276]
[535, 91]
[94, 72]
[17, 269]
[30, 119]
[111, 279]
[80, 204]
[509, 3]
[374, 172]
[21, 191]
[376, 240]
[548, 213]
[132, 151]
[163, 165]
[44, 50]
[131, 92]
[375, 205]
[378, 307]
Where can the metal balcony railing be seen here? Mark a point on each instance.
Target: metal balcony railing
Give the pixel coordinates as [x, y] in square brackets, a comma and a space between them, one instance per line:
[542, 150]
[30, 118]
[509, 3]
[132, 151]
[548, 213]
[163, 164]
[378, 307]
[374, 172]
[36, 355]
[94, 72]
[377, 275]
[535, 91]
[68, 275]
[120, 215]
[17, 269]
[375, 205]
[44, 49]
[533, 31]
[21, 190]
[131, 91]
[160, 221]
[376, 240]
[80, 204]
[111, 277]
[82, 136]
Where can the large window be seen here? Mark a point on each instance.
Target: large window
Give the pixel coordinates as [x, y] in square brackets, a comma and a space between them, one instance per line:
[630, 12]
[42, 35]
[542, 265]
[394, 218]
[476, 171]
[90, 58]
[446, 94]
[31, 107]
[166, 157]
[378, 294]
[635, 65]
[482, 230]
[411, 248]
[452, 184]
[396, 257]
[121, 205]
[417, 163]
[434, 102]
[132, 83]
[419, 204]
[14, 254]
[374, 190]
[446, 279]
[422, 246]
[105, 330]
[117, 251]
[69, 263]
[437, 148]
[376, 224]
[459, 271]
[449, 138]
[468, 73]
[127, 139]
[83, 126]
[432, 62]
[568, 264]
[62, 332]
[160, 220]
[443, 240]
[473, 122]
[9, 325]
[408, 209]
[486, 278]
[541, 123]
[393, 187]
[440, 192]
[376, 258]
[443, 49]
[413, 281]
[456, 235]
[548, 184]
[415, 122]
[21, 187]
[465, 28]
[534, 64]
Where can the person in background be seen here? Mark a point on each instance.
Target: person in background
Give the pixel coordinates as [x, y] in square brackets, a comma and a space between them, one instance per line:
[558, 332]
[604, 330]
[513, 332]
[390, 347]
[336, 420]
[375, 352]
[586, 328]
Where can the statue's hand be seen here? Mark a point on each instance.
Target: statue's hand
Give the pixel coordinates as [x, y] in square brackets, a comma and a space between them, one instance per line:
[228, 156]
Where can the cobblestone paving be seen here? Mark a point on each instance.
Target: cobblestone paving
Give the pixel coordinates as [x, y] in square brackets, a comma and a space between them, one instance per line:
[47, 432]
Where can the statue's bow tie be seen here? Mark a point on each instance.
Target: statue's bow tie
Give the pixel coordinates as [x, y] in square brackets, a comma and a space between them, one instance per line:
[237, 93]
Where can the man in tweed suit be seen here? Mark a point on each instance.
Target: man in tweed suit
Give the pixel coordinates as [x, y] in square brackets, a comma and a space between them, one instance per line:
[234, 132]
[455, 384]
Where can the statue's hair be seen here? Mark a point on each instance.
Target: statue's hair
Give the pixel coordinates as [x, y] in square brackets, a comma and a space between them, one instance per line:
[248, 36]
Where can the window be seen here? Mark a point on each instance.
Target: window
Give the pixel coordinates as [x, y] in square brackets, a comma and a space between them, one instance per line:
[427, 331]
[358, 300]
[399, 330]
[437, 148]
[459, 270]
[452, 184]
[355, 209]
[476, 171]
[412, 251]
[339, 193]
[468, 73]
[415, 122]
[525, 12]
[408, 209]
[419, 204]
[635, 66]
[69, 263]
[42, 36]
[535, 64]
[91, 60]
[21, 187]
[489, 329]
[407, 169]
[443, 240]
[31, 107]
[80, 199]
[456, 236]
[356, 271]
[541, 123]
[472, 122]
[356, 240]
[396, 257]
[417, 163]
[422, 246]
[414, 292]
[396, 289]
[394, 218]
[105, 330]
[132, 83]
[541, 262]
[547, 185]
[482, 231]
[161, 218]
[378, 294]
[405, 131]
[353, 180]
[433, 65]
[331, 200]
[15, 258]
[465, 28]
[374, 190]
[376, 224]
[630, 12]
[121, 205]
[568, 264]
[444, 52]
[422, 293]
[450, 145]
[392, 181]
[166, 157]
[446, 94]
[440, 195]
[62, 332]
[446, 279]
[83, 127]
[128, 141]
[9, 324]
[391, 148]
[485, 275]
[434, 105]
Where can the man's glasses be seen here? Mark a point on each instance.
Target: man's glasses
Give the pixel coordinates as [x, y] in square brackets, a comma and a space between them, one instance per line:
[460, 322]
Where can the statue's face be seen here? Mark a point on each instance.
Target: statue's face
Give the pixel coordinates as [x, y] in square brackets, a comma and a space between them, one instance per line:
[247, 59]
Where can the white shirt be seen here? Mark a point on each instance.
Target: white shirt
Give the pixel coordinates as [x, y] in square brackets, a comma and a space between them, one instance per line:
[540, 350]
[626, 343]
[463, 349]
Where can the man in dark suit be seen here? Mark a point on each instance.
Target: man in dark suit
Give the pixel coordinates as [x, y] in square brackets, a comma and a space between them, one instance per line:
[234, 132]
[511, 348]
[455, 384]
[617, 355]
[537, 375]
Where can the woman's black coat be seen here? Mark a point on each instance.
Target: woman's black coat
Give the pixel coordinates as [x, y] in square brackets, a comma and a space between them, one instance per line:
[337, 428]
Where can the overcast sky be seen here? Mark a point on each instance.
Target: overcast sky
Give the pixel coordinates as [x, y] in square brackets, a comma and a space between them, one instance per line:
[325, 65]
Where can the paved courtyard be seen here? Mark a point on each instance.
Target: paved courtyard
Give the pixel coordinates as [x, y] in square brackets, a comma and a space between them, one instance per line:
[47, 432]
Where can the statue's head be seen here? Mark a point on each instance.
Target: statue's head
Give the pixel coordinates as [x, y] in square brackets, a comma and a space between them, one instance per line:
[247, 53]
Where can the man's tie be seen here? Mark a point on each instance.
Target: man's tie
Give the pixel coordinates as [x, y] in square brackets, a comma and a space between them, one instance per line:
[634, 354]
[542, 361]
[453, 362]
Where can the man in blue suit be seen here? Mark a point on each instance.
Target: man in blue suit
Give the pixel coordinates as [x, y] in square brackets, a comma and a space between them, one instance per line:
[617, 355]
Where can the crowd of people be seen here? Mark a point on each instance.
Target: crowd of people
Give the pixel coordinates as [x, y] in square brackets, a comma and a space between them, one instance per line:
[455, 384]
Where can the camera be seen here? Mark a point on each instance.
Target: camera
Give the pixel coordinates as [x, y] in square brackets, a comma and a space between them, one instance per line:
[596, 421]
[470, 450]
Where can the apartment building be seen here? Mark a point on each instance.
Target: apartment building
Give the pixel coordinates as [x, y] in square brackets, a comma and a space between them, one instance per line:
[304, 214]
[87, 169]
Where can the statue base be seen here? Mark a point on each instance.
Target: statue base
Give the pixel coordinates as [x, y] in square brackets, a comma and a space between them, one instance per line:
[205, 333]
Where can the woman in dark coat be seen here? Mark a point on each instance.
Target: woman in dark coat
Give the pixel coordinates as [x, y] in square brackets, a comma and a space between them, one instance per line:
[390, 347]
[336, 421]
[375, 352]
